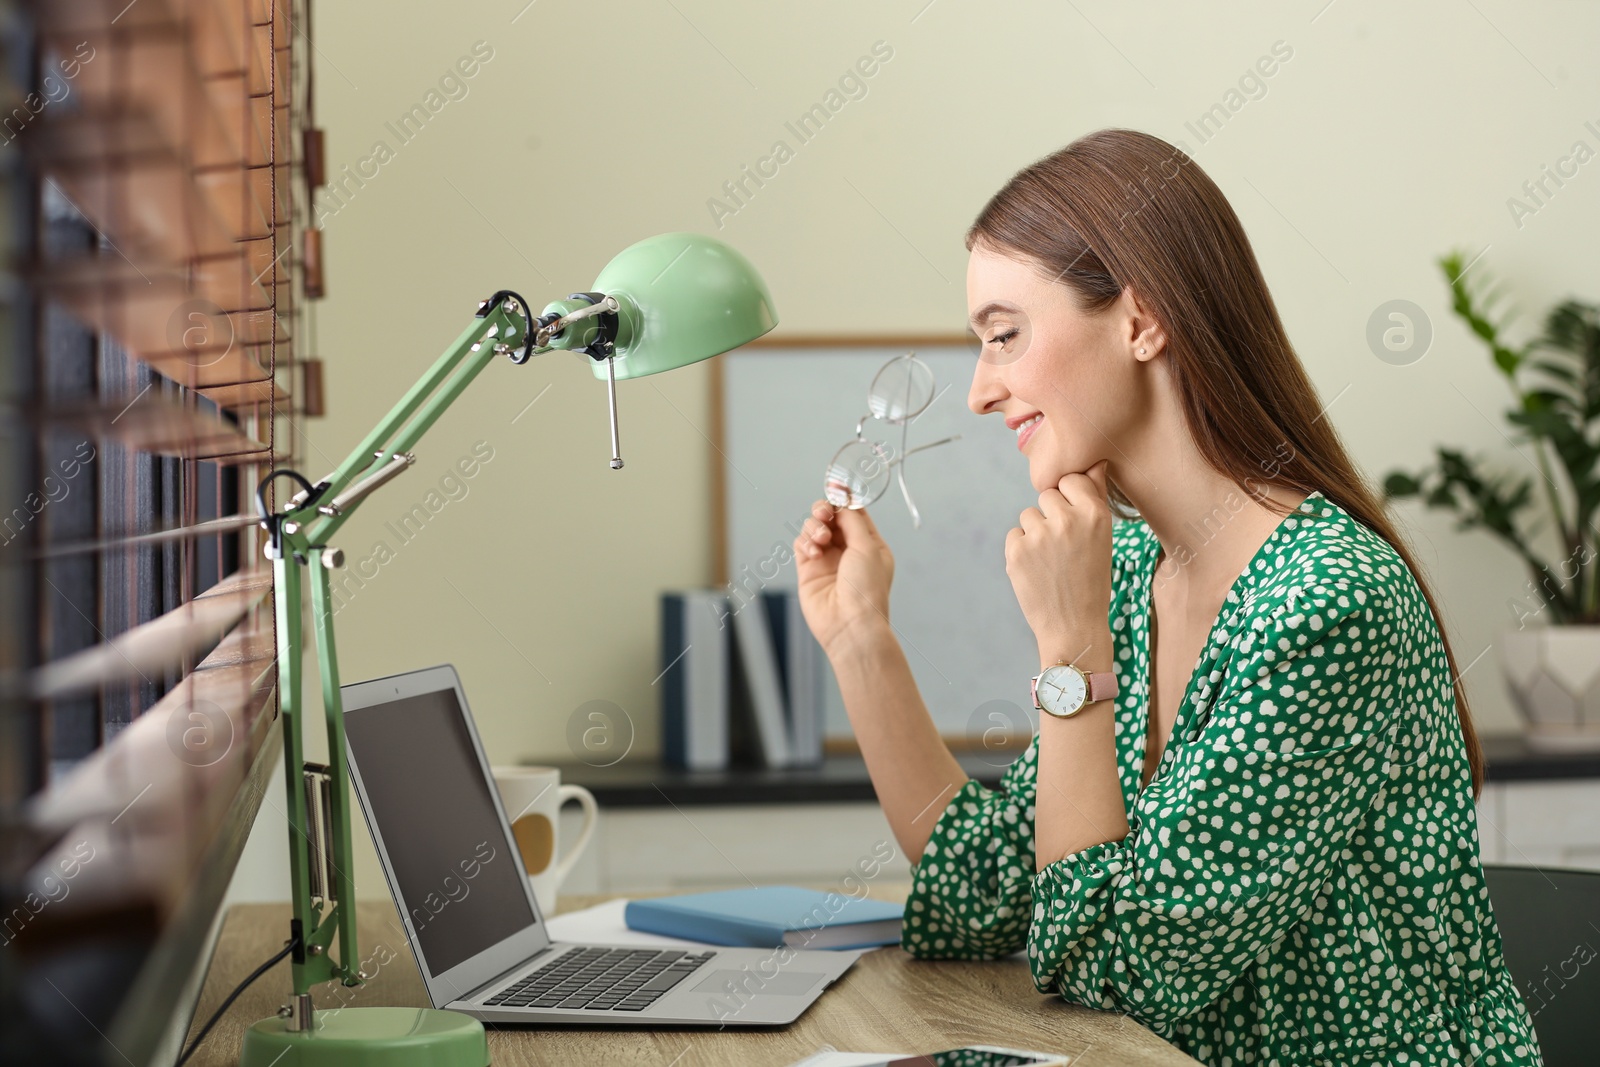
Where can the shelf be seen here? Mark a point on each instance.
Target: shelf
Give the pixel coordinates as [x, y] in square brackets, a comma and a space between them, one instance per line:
[1510, 759]
[843, 779]
[838, 779]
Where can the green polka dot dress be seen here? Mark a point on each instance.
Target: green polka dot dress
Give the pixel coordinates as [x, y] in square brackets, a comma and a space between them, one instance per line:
[1300, 881]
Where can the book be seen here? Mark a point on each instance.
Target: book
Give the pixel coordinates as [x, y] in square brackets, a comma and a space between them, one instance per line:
[770, 917]
[759, 695]
[801, 667]
[694, 679]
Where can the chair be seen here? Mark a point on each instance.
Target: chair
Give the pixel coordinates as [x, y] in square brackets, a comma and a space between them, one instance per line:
[1549, 919]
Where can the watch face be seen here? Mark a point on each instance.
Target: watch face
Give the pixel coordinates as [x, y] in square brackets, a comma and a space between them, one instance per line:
[1062, 690]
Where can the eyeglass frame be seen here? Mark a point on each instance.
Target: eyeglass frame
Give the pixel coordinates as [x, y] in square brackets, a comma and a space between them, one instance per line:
[881, 450]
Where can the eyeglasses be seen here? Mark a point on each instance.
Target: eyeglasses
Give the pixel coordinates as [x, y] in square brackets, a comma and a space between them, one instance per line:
[859, 473]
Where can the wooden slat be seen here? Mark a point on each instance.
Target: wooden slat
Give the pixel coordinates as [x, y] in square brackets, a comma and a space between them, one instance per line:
[219, 32]
[151, 314]
[154, 72]
[155, 996]
[154, 423]
[119, 138]
[227, 281]
[147, 850]
[240, 199]
[245, 394]
[208, 528]
[151, 649]
[246, 644]
[151, 202]
[166, 771]
[80, 17]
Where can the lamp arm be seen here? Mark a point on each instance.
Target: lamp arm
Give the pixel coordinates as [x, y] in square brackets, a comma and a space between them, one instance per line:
[323, 907]
[399, 430]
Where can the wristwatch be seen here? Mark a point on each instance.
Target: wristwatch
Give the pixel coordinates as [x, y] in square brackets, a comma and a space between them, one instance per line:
[1063, 690]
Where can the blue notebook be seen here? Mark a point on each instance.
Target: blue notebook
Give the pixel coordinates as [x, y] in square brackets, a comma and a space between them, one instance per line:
[768, 917]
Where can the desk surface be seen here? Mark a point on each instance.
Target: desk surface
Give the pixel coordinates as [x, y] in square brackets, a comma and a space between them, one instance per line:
[888, 1001]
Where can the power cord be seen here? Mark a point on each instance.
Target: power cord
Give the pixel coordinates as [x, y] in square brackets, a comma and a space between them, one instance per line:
[228, 1003]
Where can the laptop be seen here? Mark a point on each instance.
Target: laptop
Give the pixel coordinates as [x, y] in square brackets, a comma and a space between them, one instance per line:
[470, 916]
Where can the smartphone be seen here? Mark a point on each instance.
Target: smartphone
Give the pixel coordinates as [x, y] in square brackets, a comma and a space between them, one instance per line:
[982, 1056]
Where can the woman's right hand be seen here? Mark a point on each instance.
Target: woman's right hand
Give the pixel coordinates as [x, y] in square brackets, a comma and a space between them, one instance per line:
[844, 567]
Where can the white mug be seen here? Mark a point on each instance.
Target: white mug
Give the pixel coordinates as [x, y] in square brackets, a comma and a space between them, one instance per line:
[533, 797]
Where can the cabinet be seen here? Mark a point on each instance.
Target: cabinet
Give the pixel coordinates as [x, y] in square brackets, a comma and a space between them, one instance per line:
[662, 830]
[1542, 823]
[688, 849]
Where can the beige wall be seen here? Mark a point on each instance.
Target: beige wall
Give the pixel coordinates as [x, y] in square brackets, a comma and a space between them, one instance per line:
[1391, 134]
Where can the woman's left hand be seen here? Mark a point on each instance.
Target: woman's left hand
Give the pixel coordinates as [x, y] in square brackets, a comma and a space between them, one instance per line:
[1059, 561]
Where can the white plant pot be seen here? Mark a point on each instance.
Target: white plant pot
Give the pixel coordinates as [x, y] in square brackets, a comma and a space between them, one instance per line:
[1553, 673]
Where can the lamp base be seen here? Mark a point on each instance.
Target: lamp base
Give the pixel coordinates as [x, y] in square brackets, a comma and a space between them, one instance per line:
[369, 1037]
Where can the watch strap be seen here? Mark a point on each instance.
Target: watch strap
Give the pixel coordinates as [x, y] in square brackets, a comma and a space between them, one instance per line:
[1102, 685]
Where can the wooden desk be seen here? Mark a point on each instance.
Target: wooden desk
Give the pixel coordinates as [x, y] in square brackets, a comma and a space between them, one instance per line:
[888, 1001]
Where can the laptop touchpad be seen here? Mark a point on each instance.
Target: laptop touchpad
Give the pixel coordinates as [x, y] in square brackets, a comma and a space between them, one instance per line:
[751, 983]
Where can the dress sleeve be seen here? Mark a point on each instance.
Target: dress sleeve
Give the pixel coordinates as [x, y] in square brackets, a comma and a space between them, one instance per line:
[971, 893]
[1227, 850]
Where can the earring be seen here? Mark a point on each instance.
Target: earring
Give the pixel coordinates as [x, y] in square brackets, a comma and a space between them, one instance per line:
[1141, 351]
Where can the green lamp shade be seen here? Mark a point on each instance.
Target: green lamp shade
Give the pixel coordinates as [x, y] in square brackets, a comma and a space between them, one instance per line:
[685, 297]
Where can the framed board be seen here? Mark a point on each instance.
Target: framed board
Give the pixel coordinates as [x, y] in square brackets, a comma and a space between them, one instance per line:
[783, 409]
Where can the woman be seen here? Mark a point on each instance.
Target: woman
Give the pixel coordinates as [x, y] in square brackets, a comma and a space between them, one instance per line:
[1263, 845]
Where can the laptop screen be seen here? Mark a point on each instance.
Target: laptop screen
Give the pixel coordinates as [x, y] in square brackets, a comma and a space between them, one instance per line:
[427, 793]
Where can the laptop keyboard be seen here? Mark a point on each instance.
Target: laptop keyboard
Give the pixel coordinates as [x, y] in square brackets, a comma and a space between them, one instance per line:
[602, 979]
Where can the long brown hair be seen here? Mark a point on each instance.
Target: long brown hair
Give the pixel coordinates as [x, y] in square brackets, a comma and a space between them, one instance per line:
[1120, 208]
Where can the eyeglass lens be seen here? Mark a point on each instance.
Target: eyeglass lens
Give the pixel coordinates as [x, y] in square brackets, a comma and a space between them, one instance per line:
[901, 390]
[857, 476]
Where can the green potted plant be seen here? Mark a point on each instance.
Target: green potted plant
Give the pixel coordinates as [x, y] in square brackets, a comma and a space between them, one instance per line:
[1551, 656]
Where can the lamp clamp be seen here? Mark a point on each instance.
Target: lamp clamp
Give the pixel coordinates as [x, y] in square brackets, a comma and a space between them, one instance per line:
[515, 305]
[273, 522]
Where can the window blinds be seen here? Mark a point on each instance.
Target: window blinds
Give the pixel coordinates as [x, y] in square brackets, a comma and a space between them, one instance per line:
[157, 161]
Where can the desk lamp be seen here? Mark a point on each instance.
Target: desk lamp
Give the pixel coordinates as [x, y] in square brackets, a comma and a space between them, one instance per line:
[663, 303]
